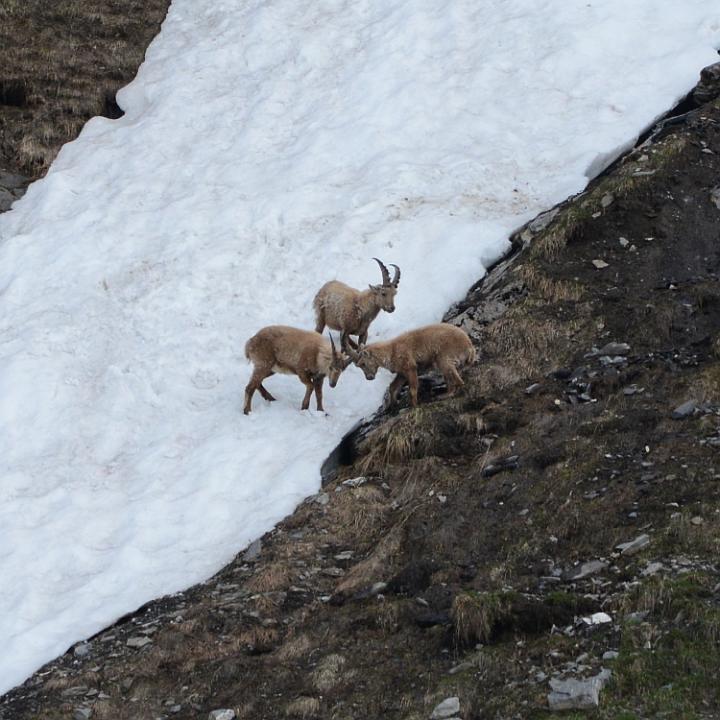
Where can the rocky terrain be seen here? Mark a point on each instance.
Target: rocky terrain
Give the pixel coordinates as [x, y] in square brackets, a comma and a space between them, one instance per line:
[544, 544]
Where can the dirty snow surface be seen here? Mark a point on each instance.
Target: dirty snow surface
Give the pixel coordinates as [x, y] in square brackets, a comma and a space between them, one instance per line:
[267, 147]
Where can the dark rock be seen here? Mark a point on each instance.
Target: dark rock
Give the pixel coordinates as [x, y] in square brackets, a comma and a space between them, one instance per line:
[431, 619]
[11, 181]
[709, 86]
[684, 410]
[585, 570]
[6, 199]
[500, 465]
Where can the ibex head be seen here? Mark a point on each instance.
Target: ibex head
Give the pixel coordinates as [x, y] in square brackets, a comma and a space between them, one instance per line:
[385, 294]
[365, 360]
[338, 363]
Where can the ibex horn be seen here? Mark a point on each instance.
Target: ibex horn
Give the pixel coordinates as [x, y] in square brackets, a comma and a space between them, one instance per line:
[384, 271]
[332, 344]
[396, 279]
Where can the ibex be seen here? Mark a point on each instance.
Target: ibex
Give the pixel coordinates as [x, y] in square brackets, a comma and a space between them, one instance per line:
[282, 349]
[442, 347]
[351, 311]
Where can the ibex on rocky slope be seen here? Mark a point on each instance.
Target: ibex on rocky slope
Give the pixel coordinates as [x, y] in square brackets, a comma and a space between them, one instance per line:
[351, 311]
[288, 350]
[441, 347]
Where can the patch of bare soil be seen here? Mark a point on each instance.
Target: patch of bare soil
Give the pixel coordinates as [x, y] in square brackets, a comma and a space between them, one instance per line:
[559, 517]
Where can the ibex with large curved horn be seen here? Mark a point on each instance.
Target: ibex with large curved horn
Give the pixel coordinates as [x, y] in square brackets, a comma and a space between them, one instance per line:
[351, 311]
[288, 350]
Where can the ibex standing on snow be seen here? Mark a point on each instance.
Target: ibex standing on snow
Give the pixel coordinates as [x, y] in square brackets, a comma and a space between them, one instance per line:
[351, 311]
[282, 349]
[442, 347]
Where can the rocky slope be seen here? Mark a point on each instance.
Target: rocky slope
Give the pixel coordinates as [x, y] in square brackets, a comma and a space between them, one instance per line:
[547, 539]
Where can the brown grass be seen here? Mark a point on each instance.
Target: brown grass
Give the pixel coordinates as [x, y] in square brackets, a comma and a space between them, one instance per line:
[303, 707]
[410, 435]
[69, 58]
[276, 576]
[328, 673]
[374, 569]
[295, 648]
[525, 342]
[547, 288]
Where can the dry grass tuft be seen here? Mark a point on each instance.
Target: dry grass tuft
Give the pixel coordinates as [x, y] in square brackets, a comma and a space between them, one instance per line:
[476, 615]
[547, 288]
[410, 435]
[303, 707]
[328, 674]
[276, 576]
[375, 568]
[525, 342]
[258, 639]
[294, 648]
[360, 510]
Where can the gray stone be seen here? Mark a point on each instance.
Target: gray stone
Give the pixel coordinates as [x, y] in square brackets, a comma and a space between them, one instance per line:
[610, 655]
[222, 715]
[596, 619]
[333, 572]
[697, 520]
[715, 196]
[355, 482]
[6, 199]
[253, 551]
[652, 569]
[684, 410]
[585, 570]
[532, 389]
[600, 264]
[321, 498]
[630, 548]
[82, 714]
[446, 709]
[607, 200]
[138, 642]
[11, 181]
[614, 348]
[81, 650]
[572, 694]
[543, 220]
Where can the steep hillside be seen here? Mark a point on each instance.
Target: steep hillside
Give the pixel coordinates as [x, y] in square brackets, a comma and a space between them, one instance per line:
[559, 518]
